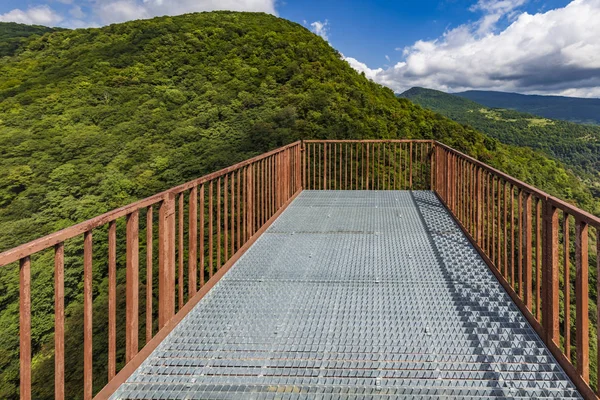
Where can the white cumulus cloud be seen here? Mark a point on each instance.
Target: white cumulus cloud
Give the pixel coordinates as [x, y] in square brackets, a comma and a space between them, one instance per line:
[321, 29]
[38, 15]
[556, 52]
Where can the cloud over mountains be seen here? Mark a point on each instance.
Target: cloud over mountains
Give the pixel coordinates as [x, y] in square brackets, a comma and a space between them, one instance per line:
[557, 51]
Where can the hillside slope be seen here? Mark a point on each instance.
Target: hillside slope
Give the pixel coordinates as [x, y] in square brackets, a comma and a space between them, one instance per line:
[93, 119]
[576, 145]
[579, 110]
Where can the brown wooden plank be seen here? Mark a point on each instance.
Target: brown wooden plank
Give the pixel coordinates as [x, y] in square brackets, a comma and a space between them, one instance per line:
[180, 285]
[112, 299]
[567, 282]
[59, 321]
[166, 260]
[25, 328]
[520, 233]
[538, 260]
[527, 251]
[232, 212]
[132, 286]
[239, 208]
[202, 223]
[410, 174]
[211, 213]
[87, 316]
[149, 271]
[325, 187]
[512, 236]
[193, 242]
[582, 299]
[226, 215]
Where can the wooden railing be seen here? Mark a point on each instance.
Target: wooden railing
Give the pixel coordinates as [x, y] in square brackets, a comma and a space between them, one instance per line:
[539, 248]
[193, 233]
[367, 164]
[188, 235]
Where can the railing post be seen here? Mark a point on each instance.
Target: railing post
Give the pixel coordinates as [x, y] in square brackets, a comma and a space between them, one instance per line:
[527, 251]
[582, 299]
[250, 196]
[411, 165]
[166, 260]
[432, 166]
[479, 203]
[25, 328]
[132, 291]
[550, 307]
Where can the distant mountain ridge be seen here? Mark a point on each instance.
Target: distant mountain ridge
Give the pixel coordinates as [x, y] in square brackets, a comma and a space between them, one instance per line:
[575, 144]
[573, 109]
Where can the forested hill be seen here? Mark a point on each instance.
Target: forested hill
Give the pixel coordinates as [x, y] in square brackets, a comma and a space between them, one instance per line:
[574, 109]
[93, 119]
[13, 36]
[575, 144]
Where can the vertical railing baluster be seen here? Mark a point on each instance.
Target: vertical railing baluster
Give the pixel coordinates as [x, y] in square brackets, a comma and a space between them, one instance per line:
[180, 251]
[25, 328]
[87, 316]
[59, 321]
[166, 260]
[149, 265]
[512, 237]
[201, 249]
[582, 299]
[218, 221]
[232, 216]
[520, 233]
[193, 242]
[505, 241]
[567, 283]
[132, 286]
[410, 174]
[239, 208]
[538, 259]
[528, 251]
[250, 200]
[210, 229]
[226, 217]
[112, 299]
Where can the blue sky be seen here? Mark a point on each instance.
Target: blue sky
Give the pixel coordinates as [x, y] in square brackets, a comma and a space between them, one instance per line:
[527, 46]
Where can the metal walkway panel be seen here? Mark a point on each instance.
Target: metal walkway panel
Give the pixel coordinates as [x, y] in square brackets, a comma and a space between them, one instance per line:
[354, 295]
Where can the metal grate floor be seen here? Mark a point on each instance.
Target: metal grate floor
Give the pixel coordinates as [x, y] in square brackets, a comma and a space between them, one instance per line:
[354, 295]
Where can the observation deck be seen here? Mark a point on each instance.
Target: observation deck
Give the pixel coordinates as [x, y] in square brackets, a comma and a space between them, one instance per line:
[354, 294]
[351, 269]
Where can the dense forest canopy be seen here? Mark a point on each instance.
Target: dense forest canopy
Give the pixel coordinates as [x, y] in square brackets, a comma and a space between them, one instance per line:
[13, 36]
[92, 119]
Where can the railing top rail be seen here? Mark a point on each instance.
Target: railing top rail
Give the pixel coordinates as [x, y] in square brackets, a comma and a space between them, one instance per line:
[578, 213]
[370, 141]
[27, 249]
